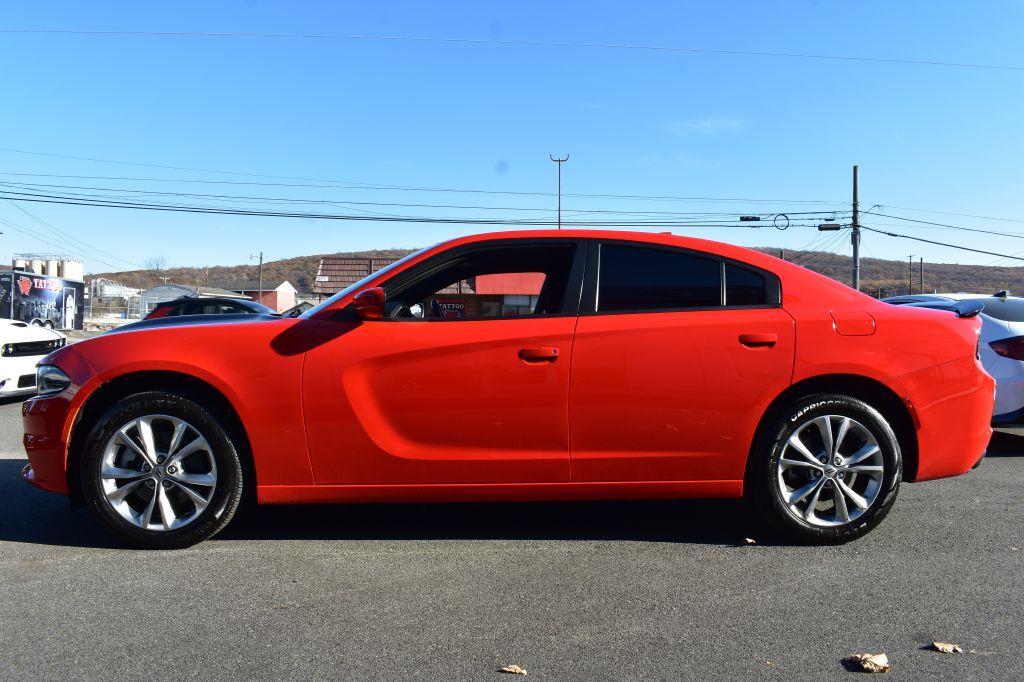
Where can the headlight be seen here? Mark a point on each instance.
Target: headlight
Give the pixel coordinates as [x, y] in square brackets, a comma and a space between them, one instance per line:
[51, 380]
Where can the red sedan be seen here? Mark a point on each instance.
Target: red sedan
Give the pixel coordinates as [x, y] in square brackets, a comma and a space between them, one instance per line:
[641, 366]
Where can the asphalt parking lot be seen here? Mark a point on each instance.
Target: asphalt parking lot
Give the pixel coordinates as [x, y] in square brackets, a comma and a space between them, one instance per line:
[609, 590]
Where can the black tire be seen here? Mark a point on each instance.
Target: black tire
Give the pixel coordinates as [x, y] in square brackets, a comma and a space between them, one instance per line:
[228, 489]
[765, 496]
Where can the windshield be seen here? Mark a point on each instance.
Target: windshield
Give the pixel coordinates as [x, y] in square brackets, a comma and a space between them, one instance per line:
[356, 286]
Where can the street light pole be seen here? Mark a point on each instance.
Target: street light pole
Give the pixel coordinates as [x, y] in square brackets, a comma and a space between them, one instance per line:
[559, 162]
[855, 233]
[260, 298]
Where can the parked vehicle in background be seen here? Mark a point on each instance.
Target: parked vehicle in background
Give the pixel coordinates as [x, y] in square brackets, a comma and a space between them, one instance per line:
[42, 300]
[22, 345]
[189, 305]
[699, 369]
[1001, 348]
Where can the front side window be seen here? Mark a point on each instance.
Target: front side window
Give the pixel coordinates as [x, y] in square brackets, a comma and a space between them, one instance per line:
[636, 278]
[489, 282]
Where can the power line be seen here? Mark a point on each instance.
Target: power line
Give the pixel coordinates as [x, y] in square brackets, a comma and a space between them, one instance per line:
[183, 208]
[930, 241]
[45, 240]
[38, 187]
[960, 215]
[338, 184]
[520, 43]
[90, 251]
[1015, 235]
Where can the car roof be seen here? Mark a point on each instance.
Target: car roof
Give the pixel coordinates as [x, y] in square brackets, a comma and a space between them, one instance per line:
[723, 249]
[207, 299]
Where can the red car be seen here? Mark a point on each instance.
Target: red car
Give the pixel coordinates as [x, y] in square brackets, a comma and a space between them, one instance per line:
[637, 366]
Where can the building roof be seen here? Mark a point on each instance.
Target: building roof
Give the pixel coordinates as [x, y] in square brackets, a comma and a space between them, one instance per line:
[336, 273]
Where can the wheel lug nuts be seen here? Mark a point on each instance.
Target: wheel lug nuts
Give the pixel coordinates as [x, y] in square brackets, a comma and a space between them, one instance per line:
[160, 460]
[172, 469]
[166, 484]
[150, 484]
[146, 467]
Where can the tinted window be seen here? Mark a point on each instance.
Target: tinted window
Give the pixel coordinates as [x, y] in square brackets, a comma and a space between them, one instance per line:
[638, 278]
[744, 287]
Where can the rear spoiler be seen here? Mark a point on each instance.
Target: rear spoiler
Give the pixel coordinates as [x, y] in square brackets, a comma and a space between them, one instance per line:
[961, 309]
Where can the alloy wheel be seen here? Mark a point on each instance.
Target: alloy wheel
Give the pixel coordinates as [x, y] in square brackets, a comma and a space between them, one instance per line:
[830, 470]
[158, 472]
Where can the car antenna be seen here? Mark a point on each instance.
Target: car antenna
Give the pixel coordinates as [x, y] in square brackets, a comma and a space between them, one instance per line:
[1001, 294]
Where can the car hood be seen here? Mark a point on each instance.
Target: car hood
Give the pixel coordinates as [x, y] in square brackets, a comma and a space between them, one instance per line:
[195, 320]
[12, 331]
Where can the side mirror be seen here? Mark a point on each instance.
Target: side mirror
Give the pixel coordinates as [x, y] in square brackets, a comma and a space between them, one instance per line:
[369, 303]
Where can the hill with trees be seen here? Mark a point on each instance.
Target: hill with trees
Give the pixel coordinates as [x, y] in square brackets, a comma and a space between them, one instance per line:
[878, 276]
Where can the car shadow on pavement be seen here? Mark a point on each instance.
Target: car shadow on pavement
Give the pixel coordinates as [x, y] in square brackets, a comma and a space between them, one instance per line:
[697, 521]
[37, 517]
[33, 516]
[1007, 442]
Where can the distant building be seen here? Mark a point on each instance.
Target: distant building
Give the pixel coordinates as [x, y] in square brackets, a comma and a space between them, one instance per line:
[169, 292]
[280, 296]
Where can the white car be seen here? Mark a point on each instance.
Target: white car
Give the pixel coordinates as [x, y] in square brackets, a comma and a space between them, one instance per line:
[22, 345]
[1001, 348]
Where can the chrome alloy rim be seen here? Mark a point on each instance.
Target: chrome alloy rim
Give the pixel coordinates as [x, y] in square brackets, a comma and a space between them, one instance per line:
[830, 470]
[158, 472]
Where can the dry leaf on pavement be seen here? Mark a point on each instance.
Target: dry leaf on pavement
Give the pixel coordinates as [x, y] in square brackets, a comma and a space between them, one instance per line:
[749, 541]
[947, 648]
[872, 663]
[513, 669]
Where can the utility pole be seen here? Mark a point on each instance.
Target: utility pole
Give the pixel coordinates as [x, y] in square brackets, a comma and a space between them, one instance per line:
[260, 299]
[920, 276]
[910, 274]
[855, 233]
[559, 162]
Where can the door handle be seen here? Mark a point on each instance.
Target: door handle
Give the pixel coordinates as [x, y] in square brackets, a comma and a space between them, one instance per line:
[539, 354]
[759, 340]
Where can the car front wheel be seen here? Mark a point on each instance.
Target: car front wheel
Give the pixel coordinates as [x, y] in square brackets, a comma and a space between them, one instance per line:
[160, 472]
[828, 470]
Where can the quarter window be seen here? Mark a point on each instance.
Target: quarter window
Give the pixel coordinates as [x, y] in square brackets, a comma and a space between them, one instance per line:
[744, 287]
[638, 278]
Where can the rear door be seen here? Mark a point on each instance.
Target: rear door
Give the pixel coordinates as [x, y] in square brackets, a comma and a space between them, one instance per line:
[676, 355]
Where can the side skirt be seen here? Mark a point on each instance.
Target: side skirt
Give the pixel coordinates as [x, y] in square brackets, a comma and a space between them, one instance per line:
[497, 492]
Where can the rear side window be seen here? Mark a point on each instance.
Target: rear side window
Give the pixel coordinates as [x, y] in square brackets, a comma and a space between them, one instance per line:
[1007, 310]
[638, 278]
[744, 287]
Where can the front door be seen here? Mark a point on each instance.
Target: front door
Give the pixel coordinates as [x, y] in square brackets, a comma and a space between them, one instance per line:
[674, 365]
[465, 381]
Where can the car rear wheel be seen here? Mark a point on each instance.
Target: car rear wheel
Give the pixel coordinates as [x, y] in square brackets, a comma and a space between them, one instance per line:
[827, 471]
[160, 472]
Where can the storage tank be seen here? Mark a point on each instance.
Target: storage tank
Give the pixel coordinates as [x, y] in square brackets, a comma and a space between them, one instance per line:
[72, 269]
[52, 267]
[20, 264]
[36, 265]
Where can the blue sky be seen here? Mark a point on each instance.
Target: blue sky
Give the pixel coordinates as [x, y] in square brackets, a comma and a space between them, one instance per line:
[486, 116]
